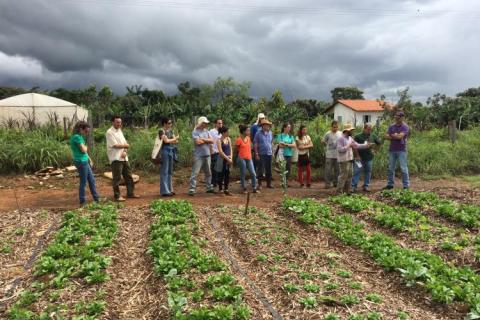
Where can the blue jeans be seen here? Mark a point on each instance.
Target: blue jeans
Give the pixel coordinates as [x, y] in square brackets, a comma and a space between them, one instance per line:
[166, 172]
[201, 163]
[244, 165]
[401, 157]
[367, 169]
[86, 175]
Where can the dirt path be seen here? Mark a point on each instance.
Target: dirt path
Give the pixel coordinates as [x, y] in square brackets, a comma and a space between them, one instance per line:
[22, 193]
[133, 291]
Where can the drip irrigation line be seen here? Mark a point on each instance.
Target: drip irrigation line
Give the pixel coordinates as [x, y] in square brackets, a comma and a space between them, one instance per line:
[234, 262]
[31, 259]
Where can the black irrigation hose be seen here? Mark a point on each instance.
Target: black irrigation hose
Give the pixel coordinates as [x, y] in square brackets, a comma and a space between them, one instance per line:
[260, 296]
[32, 258]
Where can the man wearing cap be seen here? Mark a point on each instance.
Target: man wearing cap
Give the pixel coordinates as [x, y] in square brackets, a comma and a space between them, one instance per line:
[214, 149]
[345, 144]
[253, 131]
[398, 134]
[202, 142]
[263, 152]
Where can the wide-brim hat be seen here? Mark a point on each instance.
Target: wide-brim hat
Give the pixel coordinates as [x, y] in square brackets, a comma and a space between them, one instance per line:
[202, 120]
[348, 127]
[265, 121]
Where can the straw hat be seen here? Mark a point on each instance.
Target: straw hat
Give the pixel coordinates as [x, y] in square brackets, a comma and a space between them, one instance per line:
[348, 127]
[265, 121]
[202, 120]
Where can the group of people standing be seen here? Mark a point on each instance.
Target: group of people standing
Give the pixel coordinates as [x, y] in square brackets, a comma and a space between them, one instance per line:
[253, 150]
[346, 156]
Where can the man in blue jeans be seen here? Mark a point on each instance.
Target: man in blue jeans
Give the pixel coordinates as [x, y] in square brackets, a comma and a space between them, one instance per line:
[201, 156]
[263, 152]
[364, 157]
[398, 134]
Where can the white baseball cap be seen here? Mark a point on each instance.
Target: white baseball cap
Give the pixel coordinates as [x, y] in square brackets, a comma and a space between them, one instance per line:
[261, 116]
[201, 120]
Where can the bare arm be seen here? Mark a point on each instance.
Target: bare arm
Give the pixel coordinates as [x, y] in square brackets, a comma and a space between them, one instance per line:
[165, 139]
[83, 148]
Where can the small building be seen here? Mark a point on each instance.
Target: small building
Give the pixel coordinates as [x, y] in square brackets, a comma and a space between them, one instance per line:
[38, 109]
[357, 112]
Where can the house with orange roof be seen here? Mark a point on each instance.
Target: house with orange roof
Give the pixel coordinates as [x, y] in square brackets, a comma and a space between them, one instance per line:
[357, 112]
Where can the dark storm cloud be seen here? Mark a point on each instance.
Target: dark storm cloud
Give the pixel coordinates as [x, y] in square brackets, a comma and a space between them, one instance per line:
[305, 50]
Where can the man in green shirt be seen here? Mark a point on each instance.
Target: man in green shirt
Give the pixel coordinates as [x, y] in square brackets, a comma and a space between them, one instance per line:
[364, 157]
[82, 161]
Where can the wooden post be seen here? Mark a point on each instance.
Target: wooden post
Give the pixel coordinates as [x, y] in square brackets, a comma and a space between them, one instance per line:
[90, 135]
[65, 128]
[452, 130]
[248, 202]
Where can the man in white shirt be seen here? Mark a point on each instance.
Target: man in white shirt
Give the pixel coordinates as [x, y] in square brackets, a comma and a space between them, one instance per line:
[117, 148]
[214, 149]
[331, 165]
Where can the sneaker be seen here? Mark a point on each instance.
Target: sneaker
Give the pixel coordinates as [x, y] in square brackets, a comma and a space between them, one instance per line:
[244, 191]
[191, 193]
[227, 193]
[134, 196]
[388, 188]
[120, 199]
[211, 191]
[270, 187]
[366, 189]
[255, 191]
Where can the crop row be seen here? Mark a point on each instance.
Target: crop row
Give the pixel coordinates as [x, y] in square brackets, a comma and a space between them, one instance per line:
[401, 219]
[445, 282]
[74, 255]
[199, 287]
[304, 280]
[466, 214]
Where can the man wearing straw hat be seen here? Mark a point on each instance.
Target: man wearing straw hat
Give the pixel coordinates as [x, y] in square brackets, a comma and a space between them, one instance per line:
[253, 131]
[263, 152]
[202, 141]
[345, 144]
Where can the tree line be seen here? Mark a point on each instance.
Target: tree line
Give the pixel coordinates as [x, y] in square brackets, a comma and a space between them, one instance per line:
[229, 99]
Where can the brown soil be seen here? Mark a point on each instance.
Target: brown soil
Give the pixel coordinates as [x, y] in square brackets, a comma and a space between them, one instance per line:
[19, 192]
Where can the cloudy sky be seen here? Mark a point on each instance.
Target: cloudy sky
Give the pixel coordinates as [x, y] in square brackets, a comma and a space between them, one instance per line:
[304, 48]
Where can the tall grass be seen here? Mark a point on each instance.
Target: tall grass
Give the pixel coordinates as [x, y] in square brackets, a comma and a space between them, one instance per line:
[430, 152]
[27, 151]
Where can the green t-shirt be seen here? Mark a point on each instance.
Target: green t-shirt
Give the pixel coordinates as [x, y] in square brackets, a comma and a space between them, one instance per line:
[365, 154]
[75, 141]
[286, 138]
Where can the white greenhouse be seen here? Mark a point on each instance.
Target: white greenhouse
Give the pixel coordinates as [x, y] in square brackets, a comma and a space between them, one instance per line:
[38, 109]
